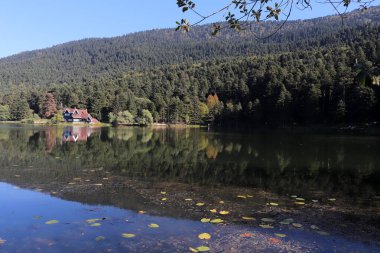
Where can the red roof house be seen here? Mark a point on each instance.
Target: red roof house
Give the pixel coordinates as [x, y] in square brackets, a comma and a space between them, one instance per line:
[78, 115]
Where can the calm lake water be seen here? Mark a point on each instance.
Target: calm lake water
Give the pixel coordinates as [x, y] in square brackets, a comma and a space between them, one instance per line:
[88, 189]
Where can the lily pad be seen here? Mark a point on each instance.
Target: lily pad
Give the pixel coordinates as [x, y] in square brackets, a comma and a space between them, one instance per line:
[51, 222]
[300, 199]
[153, 225]
[96, 224]
[280, 235]
[224, 212]
[164, 199]
[188, 199]
[266, 226]
[203, 248]
[200, 204]
[204, 236]
[204, 220]
[192, 249]
[163, 193]
[213, 210]
[100, 238]
[269, 220]
[216, 221]
[297, 225]
[273, 204]
[241, 196]
[299, 203]
[221, 202]
[126, 235]
[248, 218]
[92, 220]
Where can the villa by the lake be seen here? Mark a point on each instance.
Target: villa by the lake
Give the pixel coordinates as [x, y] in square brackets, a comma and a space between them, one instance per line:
[75, 115]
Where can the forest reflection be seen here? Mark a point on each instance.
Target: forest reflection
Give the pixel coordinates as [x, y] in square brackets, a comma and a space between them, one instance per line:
[284, 163]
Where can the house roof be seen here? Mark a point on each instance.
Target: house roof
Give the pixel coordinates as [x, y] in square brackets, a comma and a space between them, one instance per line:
[78, 113]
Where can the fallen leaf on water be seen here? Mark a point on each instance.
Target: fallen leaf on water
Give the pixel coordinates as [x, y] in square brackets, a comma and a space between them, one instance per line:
[163, 193]
[266, 226]
[241, 196]
[142, 212]
[248, 218]
[92, 220]
[323, 233]
[280, 235]
[188, 199]
[315, 200]
[249, 196]
[153, 225]
[273, 204]
[204, 220]
[300, 199]
[126, 235]
[332, 199]
[221, 202]
[293, 196]
[204, 236]
[98, 184]
[71, 183]
[297, 225]
[224, 212]
[192, 249]
[203, 248]
[95, 224]
[200, 204]
[299, 203]
[100, 238]
[246, 235]
[164, 199]
[270, 220]
[51, 222]
[216, 221]
[274, 240]
[213, 210]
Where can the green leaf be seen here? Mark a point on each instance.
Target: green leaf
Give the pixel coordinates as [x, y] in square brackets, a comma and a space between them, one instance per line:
[203, 248]
[51, 222]
[126, 235]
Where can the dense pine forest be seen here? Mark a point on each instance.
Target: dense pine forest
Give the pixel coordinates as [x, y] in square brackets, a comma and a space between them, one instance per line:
[317, 71]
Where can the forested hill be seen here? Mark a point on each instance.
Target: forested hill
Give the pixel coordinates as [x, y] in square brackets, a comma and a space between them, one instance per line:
[80, 61]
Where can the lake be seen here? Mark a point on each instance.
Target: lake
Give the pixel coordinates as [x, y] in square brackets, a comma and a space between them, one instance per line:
[92, 189]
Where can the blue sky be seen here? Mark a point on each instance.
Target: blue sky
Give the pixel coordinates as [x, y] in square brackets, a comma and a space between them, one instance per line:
[34, 24]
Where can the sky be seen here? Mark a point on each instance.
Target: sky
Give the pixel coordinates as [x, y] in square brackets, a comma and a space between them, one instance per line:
[34, 24]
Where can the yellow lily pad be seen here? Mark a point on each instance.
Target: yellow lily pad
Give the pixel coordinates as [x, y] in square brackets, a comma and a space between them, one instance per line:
[126, 235]
[95, 224]
[273, 204]
[204, 236]
[299, 203]
[51, 222]
[224, 212]
[164, 199]
[203, 248]
[192, 249]
[216, 221]
[153, 225]
[241, 196]
[213, 210]
[163, 193]
[204, 220]
[221, 202]
[200, 204]
[249, 196]
[188, 199]
[300, 199]
[141, 212]
[280, 235]
[297, 225]
[92, 220]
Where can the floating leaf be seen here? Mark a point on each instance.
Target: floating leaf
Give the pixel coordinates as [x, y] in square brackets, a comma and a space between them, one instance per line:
[224, 212]
[188, 199]
[266, 226]
[293, 196]
[92, 220]
[100, 238]
[164, 199]
[200, 204]
[269, 220]
[249, 196]
[216, 221]
[315, 200]
[126, 235]
[287, 221]
[153, 225]
[300, 199]
[98, 184]
[246, 235]
[142, 212]
[273, 204]
[280, 235]
[299, 203]
[163, 193]
[248, 218]
[213, 210]
[204, 220]
[332, 199]
[203, 248]
[221, 202]
[95, 224]
[192, 249]
[204, 236]
[297, 225]
[323, 233]
[241, 196]
[51, 222]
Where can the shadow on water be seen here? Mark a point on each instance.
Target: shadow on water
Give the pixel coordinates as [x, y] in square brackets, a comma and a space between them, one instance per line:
[168, 172]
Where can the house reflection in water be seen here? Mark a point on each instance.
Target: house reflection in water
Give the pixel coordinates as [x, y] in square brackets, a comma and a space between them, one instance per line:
[78, 133]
